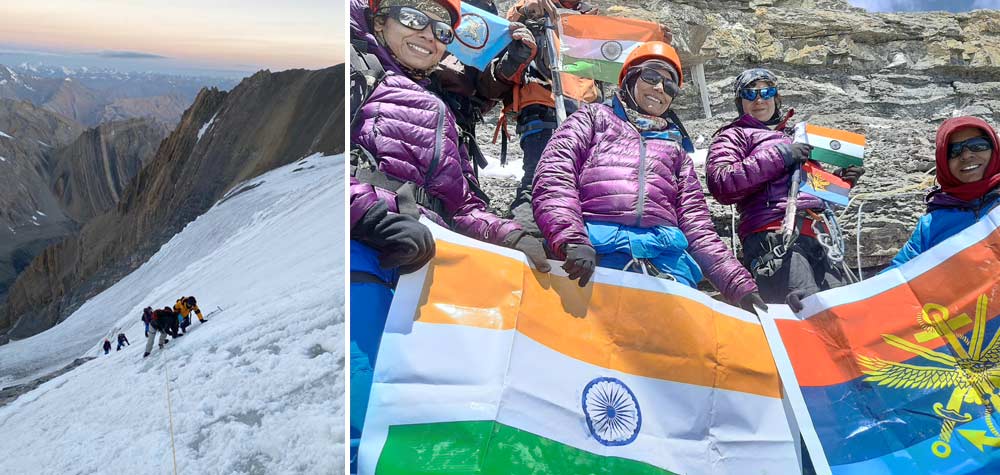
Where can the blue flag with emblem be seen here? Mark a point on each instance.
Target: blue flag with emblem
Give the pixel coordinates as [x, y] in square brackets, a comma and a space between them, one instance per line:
[480, 37]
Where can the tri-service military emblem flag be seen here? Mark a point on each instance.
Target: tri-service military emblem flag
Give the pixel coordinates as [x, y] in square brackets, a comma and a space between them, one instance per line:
[901, 373]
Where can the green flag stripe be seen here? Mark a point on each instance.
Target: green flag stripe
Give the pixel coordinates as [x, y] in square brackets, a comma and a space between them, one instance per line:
[834, 158]
[491, 448]
[606, 71]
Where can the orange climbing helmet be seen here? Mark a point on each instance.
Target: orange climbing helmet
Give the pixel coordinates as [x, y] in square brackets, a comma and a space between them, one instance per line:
[453, 6]
[652, 50]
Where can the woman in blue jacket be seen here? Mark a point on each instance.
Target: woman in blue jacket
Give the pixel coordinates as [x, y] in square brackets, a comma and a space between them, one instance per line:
[968, 172]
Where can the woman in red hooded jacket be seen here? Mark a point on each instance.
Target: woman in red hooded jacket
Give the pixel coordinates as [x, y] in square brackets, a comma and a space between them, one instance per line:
[968, 172]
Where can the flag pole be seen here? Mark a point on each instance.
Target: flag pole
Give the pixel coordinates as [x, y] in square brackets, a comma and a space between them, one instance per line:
[555, 63]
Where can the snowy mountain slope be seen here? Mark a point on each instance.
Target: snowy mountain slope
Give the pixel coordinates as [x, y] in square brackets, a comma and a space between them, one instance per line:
[257, 389]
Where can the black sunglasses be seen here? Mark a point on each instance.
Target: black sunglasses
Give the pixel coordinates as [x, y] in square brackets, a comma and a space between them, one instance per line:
[975, 144]
[417, 20]
[653, 77]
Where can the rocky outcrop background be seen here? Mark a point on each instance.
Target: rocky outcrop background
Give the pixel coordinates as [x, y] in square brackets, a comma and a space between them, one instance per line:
[223, 139]
[892, 77]
[89, 174]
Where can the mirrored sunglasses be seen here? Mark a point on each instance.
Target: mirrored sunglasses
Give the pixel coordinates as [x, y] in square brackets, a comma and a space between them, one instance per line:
[417, 20]
[765, 93]
[653, 77]
[975, 144]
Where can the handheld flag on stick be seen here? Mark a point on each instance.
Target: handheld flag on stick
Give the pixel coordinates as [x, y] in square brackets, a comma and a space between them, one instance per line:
[824, 185]
[836, 147]
[900, 373]
[480, 37]
[527, 373]
[596, 46]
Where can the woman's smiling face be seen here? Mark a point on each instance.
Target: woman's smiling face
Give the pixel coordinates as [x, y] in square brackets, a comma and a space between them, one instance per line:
[651, 98]
[968, 166]
[417, 50]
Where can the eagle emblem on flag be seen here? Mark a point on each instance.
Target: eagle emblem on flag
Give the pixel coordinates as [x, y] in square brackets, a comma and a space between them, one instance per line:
[972, 370]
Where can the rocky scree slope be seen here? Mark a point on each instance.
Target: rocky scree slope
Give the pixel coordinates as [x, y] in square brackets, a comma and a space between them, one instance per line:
[223, 139]
[892, 77]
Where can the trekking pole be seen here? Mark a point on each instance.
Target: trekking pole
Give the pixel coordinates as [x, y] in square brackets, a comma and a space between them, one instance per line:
[555, 65]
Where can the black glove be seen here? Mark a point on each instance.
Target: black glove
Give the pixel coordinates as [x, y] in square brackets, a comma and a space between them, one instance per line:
[851, 174]
[749, 301]
[531, 247]
[795, 154]
[581, 259]
[400, 240]
[522, 50]
[794, 299]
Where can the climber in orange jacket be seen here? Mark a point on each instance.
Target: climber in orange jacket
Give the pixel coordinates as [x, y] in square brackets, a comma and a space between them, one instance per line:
[532, 100]
[184, 306]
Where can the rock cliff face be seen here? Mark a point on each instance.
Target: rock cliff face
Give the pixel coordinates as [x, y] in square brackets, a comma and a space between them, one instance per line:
[30, 214]
[223, 139]
[89, 175]
[891, 77]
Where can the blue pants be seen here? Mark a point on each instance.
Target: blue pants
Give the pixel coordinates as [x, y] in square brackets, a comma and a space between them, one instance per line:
[370, 303]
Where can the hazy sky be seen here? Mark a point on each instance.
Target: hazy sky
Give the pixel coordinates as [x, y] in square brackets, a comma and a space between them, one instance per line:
[924, 5]
[205, 34]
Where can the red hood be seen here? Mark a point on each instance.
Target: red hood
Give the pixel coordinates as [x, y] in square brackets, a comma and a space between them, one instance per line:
[950, 184]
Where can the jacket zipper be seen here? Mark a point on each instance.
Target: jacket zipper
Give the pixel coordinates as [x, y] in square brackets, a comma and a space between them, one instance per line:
[642, 181]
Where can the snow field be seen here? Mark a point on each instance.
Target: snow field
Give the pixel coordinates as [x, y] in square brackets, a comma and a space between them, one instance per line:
[257, 389]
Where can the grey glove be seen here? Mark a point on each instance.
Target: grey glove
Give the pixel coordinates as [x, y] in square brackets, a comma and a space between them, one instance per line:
[794, 299]
[749, 301]
[581, 259]
[795, 154]
[531, 247]
[851, 174]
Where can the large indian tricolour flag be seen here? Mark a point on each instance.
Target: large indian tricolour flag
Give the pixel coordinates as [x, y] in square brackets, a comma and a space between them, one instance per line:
[487, 367]
[900, 374]
[596, 46]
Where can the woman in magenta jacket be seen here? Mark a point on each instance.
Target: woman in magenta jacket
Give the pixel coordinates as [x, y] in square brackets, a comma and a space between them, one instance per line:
[614, 188]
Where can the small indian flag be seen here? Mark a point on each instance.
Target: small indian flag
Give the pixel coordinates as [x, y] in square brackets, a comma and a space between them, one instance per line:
[596, 46]
[836, 147]
[521, 372]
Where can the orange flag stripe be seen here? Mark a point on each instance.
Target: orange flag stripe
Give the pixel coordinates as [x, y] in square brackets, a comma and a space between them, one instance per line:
[634, 331]
[841, 135]
[823, 348]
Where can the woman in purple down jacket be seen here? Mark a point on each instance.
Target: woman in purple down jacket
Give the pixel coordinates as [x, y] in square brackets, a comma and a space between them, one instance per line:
[615, 189]
[406, 162]
[750, 164]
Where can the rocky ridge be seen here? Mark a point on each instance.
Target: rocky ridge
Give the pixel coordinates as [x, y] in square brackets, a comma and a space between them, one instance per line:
[892, 77]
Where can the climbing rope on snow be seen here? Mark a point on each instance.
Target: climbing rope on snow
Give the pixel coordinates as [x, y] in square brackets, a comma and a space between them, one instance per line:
[170, 415]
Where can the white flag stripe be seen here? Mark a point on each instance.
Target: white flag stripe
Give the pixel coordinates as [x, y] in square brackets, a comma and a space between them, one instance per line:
[586, 48]
[921, 264]
[846, 148]
[544, 396]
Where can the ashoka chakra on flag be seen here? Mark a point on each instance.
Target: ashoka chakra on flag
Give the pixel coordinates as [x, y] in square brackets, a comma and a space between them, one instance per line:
[612, 411]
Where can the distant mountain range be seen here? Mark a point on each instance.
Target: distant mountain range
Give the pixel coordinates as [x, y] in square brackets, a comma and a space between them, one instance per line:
[92, 96]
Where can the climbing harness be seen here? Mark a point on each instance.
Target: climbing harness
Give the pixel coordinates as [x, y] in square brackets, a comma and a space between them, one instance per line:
[646, 267]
